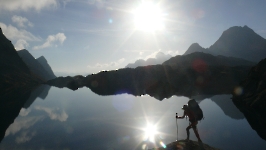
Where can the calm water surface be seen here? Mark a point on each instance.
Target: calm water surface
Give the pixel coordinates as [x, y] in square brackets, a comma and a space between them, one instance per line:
[80, 119]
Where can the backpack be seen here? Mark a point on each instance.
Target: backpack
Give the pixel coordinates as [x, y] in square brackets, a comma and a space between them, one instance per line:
[195, 109]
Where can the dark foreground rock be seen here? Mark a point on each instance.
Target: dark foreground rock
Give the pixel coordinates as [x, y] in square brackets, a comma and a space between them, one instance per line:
[250, 98]
[186, 145]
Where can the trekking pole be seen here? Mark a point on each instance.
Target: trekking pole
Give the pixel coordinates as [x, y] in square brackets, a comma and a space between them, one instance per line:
[176, 116]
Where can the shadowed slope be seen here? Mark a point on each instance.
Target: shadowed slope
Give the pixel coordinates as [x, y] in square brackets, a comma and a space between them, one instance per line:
[13, 71]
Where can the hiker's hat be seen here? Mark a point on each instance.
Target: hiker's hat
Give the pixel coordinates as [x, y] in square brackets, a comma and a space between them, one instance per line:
[185, 107]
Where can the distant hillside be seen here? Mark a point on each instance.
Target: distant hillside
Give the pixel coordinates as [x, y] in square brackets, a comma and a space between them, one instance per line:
[36, 67]
[159, 59]
[46, 66]
[240, 42]
[200, 61]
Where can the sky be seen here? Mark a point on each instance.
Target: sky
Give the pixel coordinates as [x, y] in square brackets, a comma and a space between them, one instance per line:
[87, 36]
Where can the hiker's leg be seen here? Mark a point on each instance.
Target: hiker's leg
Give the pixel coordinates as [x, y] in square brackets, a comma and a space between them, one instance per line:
[194, 126]
[188, 128]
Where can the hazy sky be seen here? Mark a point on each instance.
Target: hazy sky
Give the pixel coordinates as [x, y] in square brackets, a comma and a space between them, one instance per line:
[86, 36]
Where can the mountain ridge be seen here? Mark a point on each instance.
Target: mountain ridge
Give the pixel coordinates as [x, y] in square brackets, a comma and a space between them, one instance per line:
[36, 67]
[159, 59]
[185, 78]
[202, 59]
[237, 41]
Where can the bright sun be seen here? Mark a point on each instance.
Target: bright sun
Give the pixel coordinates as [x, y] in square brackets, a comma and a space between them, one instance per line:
[148, 17]
[150, 132]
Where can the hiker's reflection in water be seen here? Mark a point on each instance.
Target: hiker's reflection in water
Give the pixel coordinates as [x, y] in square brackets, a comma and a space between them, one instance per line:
[194, 113]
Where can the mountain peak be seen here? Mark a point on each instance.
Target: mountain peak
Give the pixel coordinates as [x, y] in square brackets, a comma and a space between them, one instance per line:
[42, 58]
[240, 42]
[245, 28]
[195, 47]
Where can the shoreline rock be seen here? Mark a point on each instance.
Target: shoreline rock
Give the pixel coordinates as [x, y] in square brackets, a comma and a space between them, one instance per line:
[186, 145]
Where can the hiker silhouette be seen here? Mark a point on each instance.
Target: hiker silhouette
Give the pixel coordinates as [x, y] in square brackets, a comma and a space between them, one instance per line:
[194, 113]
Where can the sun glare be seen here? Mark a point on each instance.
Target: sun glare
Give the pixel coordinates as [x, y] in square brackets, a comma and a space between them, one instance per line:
[148, 17]
[150, 132]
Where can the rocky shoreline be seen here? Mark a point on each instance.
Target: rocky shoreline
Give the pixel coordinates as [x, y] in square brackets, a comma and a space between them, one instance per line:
[185, 145]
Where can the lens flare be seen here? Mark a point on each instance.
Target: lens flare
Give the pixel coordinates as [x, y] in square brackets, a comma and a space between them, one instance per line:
[162, 144]
[150, 132]
[238, 90]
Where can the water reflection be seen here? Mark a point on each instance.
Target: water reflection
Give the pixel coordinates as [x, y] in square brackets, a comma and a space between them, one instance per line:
[226, 104]
[82, 119]
[40, 92]
[53, 113]
[10, 105]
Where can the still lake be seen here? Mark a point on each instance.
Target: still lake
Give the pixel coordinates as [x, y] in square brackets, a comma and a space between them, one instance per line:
[81, 119]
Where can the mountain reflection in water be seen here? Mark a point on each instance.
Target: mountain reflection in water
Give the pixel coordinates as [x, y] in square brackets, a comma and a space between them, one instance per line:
[84, 120]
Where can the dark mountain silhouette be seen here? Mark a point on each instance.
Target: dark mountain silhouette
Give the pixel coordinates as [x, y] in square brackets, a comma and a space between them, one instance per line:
[201, 61]
[41, 69]
[159, 59]
[13, 71]
[249, 97]
[164, 81]
[9, 59]
[240, 42]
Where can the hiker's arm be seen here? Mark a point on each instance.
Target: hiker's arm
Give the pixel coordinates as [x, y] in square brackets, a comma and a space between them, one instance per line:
[182, 116]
